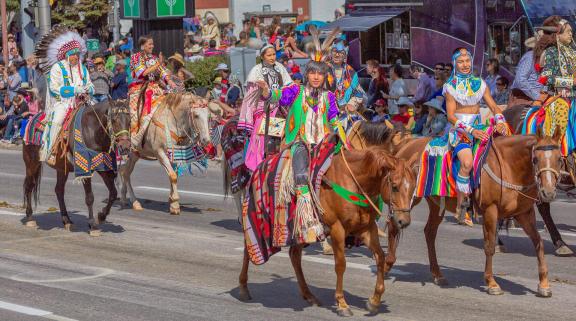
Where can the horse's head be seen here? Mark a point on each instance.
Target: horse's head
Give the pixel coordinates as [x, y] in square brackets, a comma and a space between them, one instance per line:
[547, 161]
[119, 115]
[199, 116]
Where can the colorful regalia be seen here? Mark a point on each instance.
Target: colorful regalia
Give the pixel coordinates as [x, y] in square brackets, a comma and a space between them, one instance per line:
[557, 69]
[65, 81]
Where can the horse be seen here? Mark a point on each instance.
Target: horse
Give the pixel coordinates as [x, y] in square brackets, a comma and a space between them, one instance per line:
[519, 170]
[103, 124]
[184, 116]
[371, 172]
[515, 116]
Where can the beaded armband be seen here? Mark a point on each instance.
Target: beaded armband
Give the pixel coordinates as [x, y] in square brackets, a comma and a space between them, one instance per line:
[499, 118]
[463, 127]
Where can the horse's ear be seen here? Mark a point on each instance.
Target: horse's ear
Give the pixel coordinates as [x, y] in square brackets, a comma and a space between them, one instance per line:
[557, 134]
[412, 161]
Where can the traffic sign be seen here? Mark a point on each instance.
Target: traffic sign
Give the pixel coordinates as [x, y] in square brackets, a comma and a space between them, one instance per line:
[93, 44]
[131, 8]
[170, 8]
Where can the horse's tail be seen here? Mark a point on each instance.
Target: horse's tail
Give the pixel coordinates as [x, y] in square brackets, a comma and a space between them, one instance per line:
[31, 155]
[36, 189]
[226, 178]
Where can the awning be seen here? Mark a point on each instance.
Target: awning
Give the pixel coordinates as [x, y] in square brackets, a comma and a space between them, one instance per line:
[363, 23]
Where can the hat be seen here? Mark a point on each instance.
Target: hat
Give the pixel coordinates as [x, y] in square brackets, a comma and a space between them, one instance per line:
[121, 62]
[99, 60]
[436, 103]
[190, 33]
[297, 76]
[178, 57]
[217, 81]
[25, 85]
[380, 102]
[221, 66]
[195, 49]
[404, 101]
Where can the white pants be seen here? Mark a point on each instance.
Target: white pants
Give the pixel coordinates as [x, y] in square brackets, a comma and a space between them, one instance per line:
[53, 126]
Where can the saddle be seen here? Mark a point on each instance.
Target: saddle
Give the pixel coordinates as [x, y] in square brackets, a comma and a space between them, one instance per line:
[61, 143]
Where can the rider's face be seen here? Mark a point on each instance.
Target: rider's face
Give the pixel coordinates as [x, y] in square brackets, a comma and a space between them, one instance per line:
[316, 79]
[464, 64]
[269, 56]
[566, 36]
[73, 60]
[148, 47]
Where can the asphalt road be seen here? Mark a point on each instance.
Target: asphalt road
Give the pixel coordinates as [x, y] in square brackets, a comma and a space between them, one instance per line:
[152, 266]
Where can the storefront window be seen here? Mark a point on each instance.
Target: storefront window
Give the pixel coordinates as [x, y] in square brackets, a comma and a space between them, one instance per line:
[388, 42]
[506, 42]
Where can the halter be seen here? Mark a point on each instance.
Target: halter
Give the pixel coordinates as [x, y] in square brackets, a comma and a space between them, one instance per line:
[539, 171]
[115, 137]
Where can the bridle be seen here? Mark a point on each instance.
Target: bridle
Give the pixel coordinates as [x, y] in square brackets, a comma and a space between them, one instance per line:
[538, 170]
[392, 209]
[111, 113]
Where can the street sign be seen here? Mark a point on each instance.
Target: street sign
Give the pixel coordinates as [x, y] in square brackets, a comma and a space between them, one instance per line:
[170, 8]
[131, 8]
[93, 45]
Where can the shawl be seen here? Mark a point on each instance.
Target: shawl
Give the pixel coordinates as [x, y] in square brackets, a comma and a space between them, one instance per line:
[257, 74]
[466, 89]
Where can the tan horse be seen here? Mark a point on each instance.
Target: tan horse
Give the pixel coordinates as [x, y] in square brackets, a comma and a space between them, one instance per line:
[373, 172]
[519, 170]
[185, 118]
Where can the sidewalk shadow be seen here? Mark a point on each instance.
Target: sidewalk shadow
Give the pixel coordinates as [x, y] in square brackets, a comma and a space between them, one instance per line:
[159, 206]
[53, 220]
[514, 244]
[283, 293]
[229, 224]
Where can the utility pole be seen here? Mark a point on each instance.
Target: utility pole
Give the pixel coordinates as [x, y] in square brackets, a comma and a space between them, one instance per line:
[44, 17]
[4, 30]
[28, 28]
[116, 19]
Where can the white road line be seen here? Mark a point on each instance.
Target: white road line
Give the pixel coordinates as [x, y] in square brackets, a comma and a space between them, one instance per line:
[161, 189]
[352, 265]
[2, 212]
[32, 311]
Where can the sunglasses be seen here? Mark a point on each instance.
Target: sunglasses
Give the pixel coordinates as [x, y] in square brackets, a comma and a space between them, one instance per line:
[499, 84]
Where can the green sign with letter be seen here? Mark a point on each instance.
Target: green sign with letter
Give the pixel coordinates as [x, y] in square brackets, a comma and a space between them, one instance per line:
[170, 8]
[92, 44]
[131, 8]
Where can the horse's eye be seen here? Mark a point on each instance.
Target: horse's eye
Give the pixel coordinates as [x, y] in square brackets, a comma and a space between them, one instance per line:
[395, 189]
[535, 160]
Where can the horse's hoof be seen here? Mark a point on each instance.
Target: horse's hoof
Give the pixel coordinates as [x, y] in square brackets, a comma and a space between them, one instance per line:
[327, 249]
[31, 224]
[495, 291]
[313, 301]
[500, 249]
[68, 227]
[244, 295]
[174, 211]
[372, 308]
[344, 312]
[137, 206]
[440, 281]
[95, 233]
[564, 251]
[544, 292]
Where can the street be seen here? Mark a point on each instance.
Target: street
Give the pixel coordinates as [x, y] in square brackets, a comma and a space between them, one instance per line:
[150, 265]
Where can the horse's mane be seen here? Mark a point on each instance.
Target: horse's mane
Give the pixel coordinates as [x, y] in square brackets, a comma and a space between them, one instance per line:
[173, 100]
[375, 133]
[376, 160]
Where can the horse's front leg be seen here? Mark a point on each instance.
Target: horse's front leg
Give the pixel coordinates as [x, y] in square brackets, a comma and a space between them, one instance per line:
[108, 178]
[174, 198]
[338, 235]
[61, 178]
[528, 223]
[243, 278]
[435, 216]
[296, 259]
[125, 173]
[390, 257]
[89, 197]
[371, 240]
[489, 227]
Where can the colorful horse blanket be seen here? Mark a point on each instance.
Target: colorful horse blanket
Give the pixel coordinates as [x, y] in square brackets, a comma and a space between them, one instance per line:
[233, 145]
[560, 113]
[86, 160]
[268, 211]
[439, 166]
[34, 130]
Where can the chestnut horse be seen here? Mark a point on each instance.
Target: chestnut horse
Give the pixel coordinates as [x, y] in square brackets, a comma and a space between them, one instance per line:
[515, 116]
[103, 124]
[372, 172]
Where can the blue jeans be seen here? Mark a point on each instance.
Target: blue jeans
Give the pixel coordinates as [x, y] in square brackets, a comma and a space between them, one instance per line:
[12, 127]
[100, 98]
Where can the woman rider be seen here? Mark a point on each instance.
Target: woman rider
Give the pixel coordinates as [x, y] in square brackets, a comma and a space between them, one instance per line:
[146, 69]
[463, 92]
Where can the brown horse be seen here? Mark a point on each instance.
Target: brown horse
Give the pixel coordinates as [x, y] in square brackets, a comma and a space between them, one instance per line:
[518, 171]
[102, 125]
[515, 116]
[372, 172]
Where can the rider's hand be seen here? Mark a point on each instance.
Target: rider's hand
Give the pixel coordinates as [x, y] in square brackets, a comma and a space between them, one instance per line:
[350, 108]
[264, 86]
[501, 129]
[480, 134]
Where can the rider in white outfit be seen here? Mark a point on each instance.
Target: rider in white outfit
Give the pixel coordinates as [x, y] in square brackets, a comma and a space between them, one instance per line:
[67, 78]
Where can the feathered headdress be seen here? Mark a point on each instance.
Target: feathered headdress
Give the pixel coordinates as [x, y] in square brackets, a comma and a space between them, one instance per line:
[321, 52]
[57, 45]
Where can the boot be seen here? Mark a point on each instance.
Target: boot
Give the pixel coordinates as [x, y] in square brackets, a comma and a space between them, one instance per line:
[139, 136]
[308, 228]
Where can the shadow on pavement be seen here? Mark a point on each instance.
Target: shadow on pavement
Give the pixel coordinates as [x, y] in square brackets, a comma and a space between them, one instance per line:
[514, 244]
[229, 224]
[283, 293]
[160, 206]
[53, 220]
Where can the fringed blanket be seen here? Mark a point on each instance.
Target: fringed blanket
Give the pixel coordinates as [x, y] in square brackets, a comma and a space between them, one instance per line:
[233, 145]
[34, 130]
[561, 114]
[188, 160]
[439, 167]
[86, 160]
[269, 207]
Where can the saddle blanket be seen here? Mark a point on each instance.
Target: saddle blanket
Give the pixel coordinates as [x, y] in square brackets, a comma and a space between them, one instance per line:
[268, 210]
[233, 145]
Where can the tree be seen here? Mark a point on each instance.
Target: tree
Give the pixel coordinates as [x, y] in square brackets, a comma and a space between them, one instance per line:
[93, 13]
[12, 8]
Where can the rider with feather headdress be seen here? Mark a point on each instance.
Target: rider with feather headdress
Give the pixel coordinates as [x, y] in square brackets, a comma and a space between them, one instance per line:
[60, 54]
